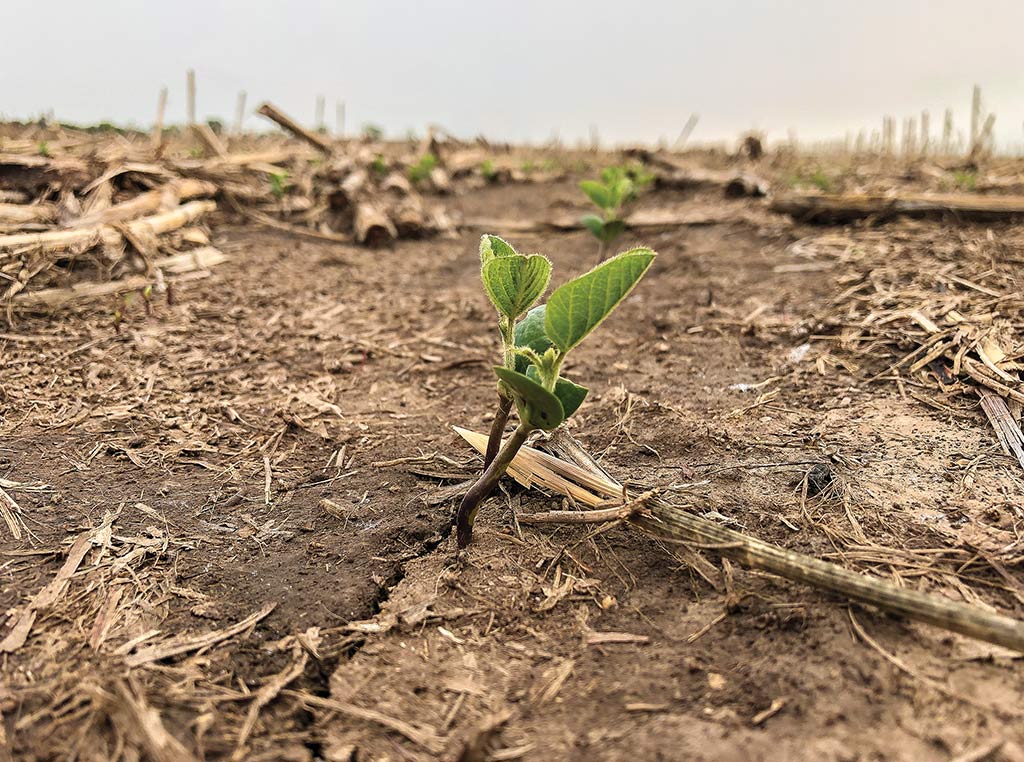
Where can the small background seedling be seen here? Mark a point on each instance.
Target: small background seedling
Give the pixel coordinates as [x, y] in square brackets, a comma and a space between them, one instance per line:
[535, 342]
[617, 187]
[420, 171]
[279, 184]
[819, 179]
[965, 180]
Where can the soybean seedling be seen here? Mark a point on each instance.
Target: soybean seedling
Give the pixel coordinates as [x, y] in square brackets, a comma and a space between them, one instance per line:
[420, 171]
[373, 132]
[535, 342]
[609, 195]
[616, 188]
[279, 184]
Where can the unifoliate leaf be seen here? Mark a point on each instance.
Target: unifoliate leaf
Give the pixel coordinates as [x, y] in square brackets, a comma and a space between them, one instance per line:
[597, 193]
[578, 307]
[611, 175]
[515, 283]
[612, 229]
[491, 246]
[569, 394]
[615, 191]
[536, 405]
[624, 191]
[594, 224]
[529, 332]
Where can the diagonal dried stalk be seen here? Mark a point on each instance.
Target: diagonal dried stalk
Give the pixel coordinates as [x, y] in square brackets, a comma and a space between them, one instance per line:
[1007, 430]
[676, 524]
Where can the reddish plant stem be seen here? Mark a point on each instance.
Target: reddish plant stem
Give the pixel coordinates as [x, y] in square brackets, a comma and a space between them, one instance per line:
[497, 429]
[486, 483]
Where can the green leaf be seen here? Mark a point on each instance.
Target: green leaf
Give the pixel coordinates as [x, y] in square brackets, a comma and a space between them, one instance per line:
[491, 246]
[615, 191]
[594, 224]
[597, 193]
[515, 283]
[578, 307]
[611, 175]
[536, 405]
[613, 229]
[529, 332]
[569, 394]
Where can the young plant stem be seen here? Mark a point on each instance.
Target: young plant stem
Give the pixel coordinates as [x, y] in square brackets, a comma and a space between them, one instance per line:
[508, 359]
[602, 246]
[497, 429]
[485, 485]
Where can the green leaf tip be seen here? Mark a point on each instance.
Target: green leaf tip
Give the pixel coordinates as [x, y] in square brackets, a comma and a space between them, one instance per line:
[579, 306]
[491, 247]
[537, 406]
[515, 283]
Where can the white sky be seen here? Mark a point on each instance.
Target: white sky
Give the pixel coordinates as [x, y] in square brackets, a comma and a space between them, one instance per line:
[520, 69]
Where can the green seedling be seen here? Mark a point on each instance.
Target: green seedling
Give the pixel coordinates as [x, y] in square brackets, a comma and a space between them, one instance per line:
[535, 341]
[372, 132]
[965, 180]
[821, 181]
[617, 187]
[379, 165]
[420, 171]
[279, 184]
[488, 171]
[44, 149]
[640, 176]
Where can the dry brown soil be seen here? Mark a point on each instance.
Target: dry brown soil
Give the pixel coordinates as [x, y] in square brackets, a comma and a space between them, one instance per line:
[326, 368]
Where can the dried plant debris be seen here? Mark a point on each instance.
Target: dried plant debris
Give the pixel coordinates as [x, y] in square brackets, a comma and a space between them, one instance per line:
[939, 307]
[99, 209]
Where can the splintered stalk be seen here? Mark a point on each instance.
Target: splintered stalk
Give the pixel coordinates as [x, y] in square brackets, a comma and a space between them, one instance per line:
[485, 485]
[497, 428]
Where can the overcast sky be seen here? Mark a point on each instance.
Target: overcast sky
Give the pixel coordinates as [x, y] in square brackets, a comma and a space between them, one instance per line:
[521, 69]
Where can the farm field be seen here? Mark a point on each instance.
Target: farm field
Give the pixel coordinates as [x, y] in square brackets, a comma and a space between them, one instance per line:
[229, 487]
